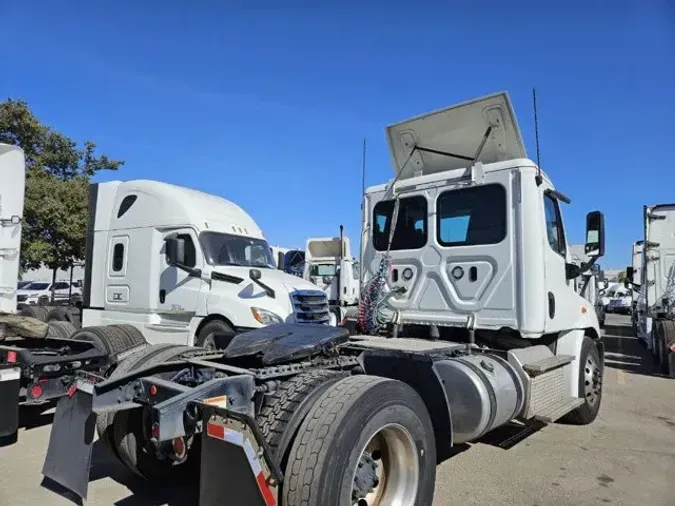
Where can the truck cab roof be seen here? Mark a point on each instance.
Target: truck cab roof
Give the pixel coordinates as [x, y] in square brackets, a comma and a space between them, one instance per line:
[142, 202]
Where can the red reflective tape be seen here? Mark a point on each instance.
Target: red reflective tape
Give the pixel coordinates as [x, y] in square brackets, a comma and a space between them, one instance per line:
[265, 490]
[214, 430]
[72, 389]
[11, 357]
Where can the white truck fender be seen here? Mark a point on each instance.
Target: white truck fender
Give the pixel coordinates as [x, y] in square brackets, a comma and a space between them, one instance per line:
[569, 343]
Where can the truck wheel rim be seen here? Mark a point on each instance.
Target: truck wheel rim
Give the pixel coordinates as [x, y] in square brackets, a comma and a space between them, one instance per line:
[388, 469]
[592, 381]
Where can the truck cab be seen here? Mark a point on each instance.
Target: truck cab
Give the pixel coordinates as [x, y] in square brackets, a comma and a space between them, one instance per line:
[184, 266]
[12, 190]
[330, 265]
[478, 229]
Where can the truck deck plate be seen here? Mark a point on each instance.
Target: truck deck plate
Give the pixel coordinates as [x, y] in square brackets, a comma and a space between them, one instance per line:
[403, 344]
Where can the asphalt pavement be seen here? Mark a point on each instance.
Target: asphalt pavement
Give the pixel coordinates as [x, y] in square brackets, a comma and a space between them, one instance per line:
[626, 457]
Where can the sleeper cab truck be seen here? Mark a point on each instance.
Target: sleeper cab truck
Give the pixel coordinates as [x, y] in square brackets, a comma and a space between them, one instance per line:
[185, 267]
[655, 281]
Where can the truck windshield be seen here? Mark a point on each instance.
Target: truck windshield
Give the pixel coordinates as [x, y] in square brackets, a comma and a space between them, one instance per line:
[228, 249]
[322, 270]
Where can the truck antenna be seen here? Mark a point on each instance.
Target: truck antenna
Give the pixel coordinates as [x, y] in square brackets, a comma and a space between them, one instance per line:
[538, 177]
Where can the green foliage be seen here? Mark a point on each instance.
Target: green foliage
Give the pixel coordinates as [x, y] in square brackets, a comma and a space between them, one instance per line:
[621, 276]
[57, 184]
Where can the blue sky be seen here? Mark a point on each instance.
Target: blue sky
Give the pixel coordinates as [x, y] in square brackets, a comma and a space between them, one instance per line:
[268, 106]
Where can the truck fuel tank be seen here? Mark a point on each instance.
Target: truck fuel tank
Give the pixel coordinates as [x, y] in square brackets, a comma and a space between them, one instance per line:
[483, 391]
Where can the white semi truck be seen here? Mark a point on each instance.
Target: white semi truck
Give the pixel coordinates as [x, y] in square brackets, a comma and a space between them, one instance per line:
[470, 321]
[184, 266]
[330, 265]
[164, 264]
[655, 320]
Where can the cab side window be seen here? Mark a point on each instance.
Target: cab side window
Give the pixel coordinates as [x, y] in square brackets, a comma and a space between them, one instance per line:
[554, 227]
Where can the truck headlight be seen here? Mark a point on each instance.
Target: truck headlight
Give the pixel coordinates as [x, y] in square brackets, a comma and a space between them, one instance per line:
[265, 317]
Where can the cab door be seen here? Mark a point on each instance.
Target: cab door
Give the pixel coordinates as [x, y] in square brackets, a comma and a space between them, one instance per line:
[178, 294]
[563, 303]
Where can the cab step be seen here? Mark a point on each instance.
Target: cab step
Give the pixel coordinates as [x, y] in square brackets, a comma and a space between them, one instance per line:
[558, 410]
[547, 364]
[547, 397]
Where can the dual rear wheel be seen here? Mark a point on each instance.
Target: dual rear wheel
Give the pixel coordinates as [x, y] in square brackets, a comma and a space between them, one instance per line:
[339, 439]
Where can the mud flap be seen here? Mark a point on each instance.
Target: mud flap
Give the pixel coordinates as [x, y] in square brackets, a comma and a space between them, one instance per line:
[70, 443]
[236, 466]
[10, 378]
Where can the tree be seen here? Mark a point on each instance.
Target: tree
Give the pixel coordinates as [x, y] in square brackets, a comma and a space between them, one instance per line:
[621, 276]
[57, 184]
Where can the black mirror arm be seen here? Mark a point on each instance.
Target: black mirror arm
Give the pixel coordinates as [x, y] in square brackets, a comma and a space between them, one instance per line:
[192, 271]
[574, 271]
[268, 290]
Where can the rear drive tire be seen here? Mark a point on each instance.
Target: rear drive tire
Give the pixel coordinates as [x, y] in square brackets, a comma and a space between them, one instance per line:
[134, 336]
[590, 385]
[61, 329]
[59, 314]
[108, 339]
[207, 334]
[37, 312]
[359, 427]
[283, 411]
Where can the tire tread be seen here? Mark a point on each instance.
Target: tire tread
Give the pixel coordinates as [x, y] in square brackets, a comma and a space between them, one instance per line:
[280, 408]
[320, 429]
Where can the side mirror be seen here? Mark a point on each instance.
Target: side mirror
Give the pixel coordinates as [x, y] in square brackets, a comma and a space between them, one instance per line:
[255, 274]
[630, 274]
[174, 251]
[595, 234]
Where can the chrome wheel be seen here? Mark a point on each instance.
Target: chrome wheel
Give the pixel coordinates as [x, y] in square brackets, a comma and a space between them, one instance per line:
[387, 473]
[592, 380]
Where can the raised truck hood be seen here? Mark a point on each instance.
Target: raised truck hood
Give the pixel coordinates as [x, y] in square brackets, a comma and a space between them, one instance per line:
[460, 130]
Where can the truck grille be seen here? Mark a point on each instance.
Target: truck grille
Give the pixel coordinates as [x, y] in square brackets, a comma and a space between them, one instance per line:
[310, 306]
